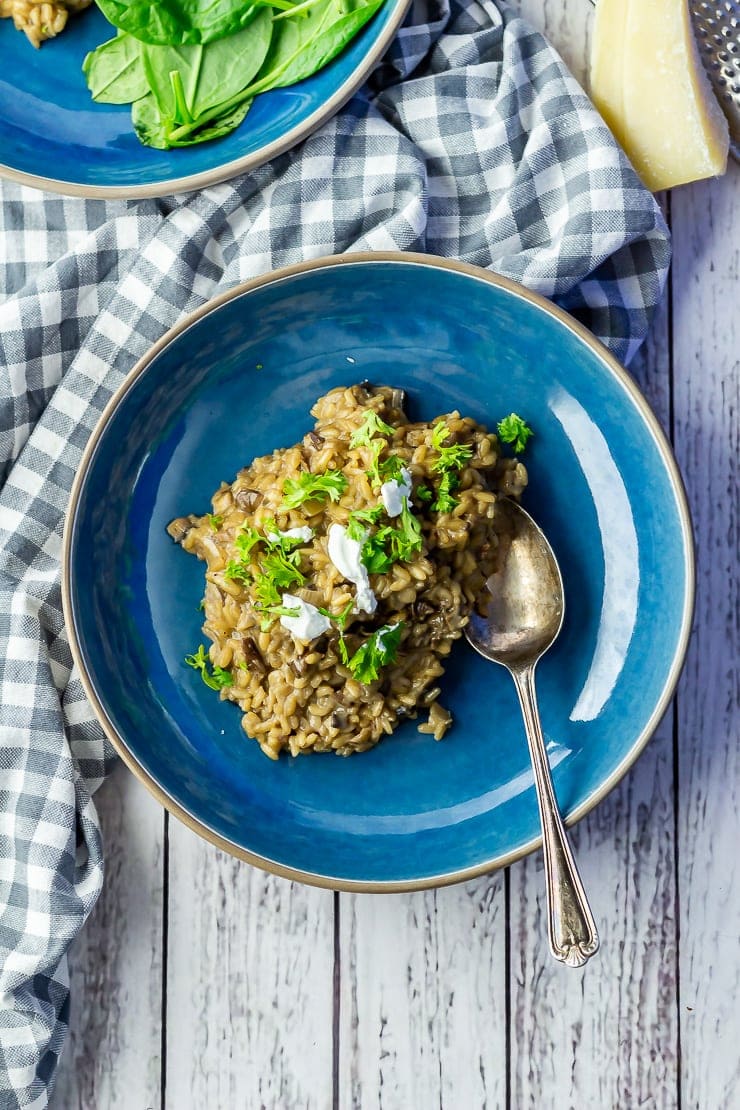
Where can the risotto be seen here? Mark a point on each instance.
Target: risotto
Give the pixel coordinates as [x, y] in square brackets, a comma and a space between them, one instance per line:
[39, 20]
[340, 571]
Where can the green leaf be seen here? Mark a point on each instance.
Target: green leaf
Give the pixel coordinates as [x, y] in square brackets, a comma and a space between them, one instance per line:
[238, 571]
[376, 553]
[313, 487]
[114, 72]
[215, 521]
[149, 126]
[301, 46]
[210, 75]
[512, 429]
[360, 519]
[153, 130]
[178, 22]
[370, 427]
[377, 652]
[282, 568]
[406, 541]
[246, 538]
[450, 458]
[392, 545]
[216, 678]
[282, 611]
[445, 502]
[383, 470]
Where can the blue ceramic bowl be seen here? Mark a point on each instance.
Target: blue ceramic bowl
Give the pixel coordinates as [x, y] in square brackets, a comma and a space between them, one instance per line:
[53, 136]
[237, 380]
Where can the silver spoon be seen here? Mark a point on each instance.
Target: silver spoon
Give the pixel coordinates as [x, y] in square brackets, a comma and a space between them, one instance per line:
[524, 614]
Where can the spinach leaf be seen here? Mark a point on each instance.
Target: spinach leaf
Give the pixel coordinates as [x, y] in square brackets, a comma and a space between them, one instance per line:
[178, 22]
[152, 130]
[114, 72]
[149, 126]
[208, 76]
[304, 44]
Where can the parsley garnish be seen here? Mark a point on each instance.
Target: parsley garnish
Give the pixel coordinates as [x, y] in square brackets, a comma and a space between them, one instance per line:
[376, 551]
[377, 652]
[272, 611]
[247, 538]
[273, 538]
[370, 427]
[445, 502]
[282, 567]
[340, 619]
[392, 545]
[424, 493]
[238, 571]
[406, 540]
[217, 678]
[278, 571]
[386, 470]
[359, 518]
[512, 429]
[450, 458]
[266, 592]
[215, 521]
[311, 487]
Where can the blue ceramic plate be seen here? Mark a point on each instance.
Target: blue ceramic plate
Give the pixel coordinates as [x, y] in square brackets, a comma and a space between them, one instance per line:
[237, 380]
[53, 136]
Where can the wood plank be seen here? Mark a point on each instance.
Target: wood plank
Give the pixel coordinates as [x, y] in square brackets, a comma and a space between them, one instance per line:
[250, 968]
[607, 1036]
[706, 220]
[620, 1011]
[567, 25]
[422, 1018]
[112, 1060]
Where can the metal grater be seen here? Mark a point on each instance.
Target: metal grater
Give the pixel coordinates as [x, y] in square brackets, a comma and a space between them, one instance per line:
[717, 26]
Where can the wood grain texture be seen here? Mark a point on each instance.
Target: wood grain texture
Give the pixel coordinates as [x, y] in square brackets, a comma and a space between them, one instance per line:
[422, 1018]
[425, 1014]
[567, 24]
[250, 964]
[607, 1036]
[706, 338]
[112, 1060]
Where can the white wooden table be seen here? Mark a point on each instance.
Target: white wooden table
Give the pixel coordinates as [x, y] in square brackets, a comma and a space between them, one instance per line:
[202, 984]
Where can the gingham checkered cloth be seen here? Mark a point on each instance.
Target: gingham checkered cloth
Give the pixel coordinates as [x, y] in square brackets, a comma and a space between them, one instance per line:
[470, 140]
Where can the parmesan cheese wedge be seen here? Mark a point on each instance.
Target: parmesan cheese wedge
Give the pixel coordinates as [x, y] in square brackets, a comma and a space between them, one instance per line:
[648, 82]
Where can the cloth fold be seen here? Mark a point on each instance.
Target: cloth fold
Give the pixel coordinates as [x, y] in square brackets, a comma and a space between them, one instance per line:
[470, 140]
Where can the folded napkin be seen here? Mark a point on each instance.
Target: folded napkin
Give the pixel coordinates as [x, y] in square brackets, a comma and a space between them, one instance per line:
[470, 140]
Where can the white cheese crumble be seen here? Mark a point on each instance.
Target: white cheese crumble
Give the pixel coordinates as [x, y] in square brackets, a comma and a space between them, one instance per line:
[394, 493]
[305, 533]
[308, 622]
[345, 555]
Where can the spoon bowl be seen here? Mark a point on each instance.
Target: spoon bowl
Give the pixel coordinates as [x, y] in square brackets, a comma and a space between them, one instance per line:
[514, 622]
[524, 606]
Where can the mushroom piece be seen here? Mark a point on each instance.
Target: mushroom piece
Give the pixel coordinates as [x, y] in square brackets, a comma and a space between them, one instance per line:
[248, 499]
[180, 526]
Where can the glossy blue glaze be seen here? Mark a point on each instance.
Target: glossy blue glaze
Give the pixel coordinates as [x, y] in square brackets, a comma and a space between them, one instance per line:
[600, 488]
[51, 128]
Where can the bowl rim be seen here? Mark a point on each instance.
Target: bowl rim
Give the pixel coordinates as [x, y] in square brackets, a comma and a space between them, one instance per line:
[661, 442]
[237, 166]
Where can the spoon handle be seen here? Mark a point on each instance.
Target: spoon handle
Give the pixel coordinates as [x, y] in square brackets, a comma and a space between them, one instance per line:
[570, 924]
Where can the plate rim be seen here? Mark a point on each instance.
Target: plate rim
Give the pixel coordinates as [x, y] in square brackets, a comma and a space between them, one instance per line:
[623, 379]
[237, 166]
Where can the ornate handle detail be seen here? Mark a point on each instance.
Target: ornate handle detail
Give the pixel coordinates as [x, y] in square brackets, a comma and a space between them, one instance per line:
[571, 928]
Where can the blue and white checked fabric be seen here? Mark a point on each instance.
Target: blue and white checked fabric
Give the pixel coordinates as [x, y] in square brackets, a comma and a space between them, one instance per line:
[470, 140]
